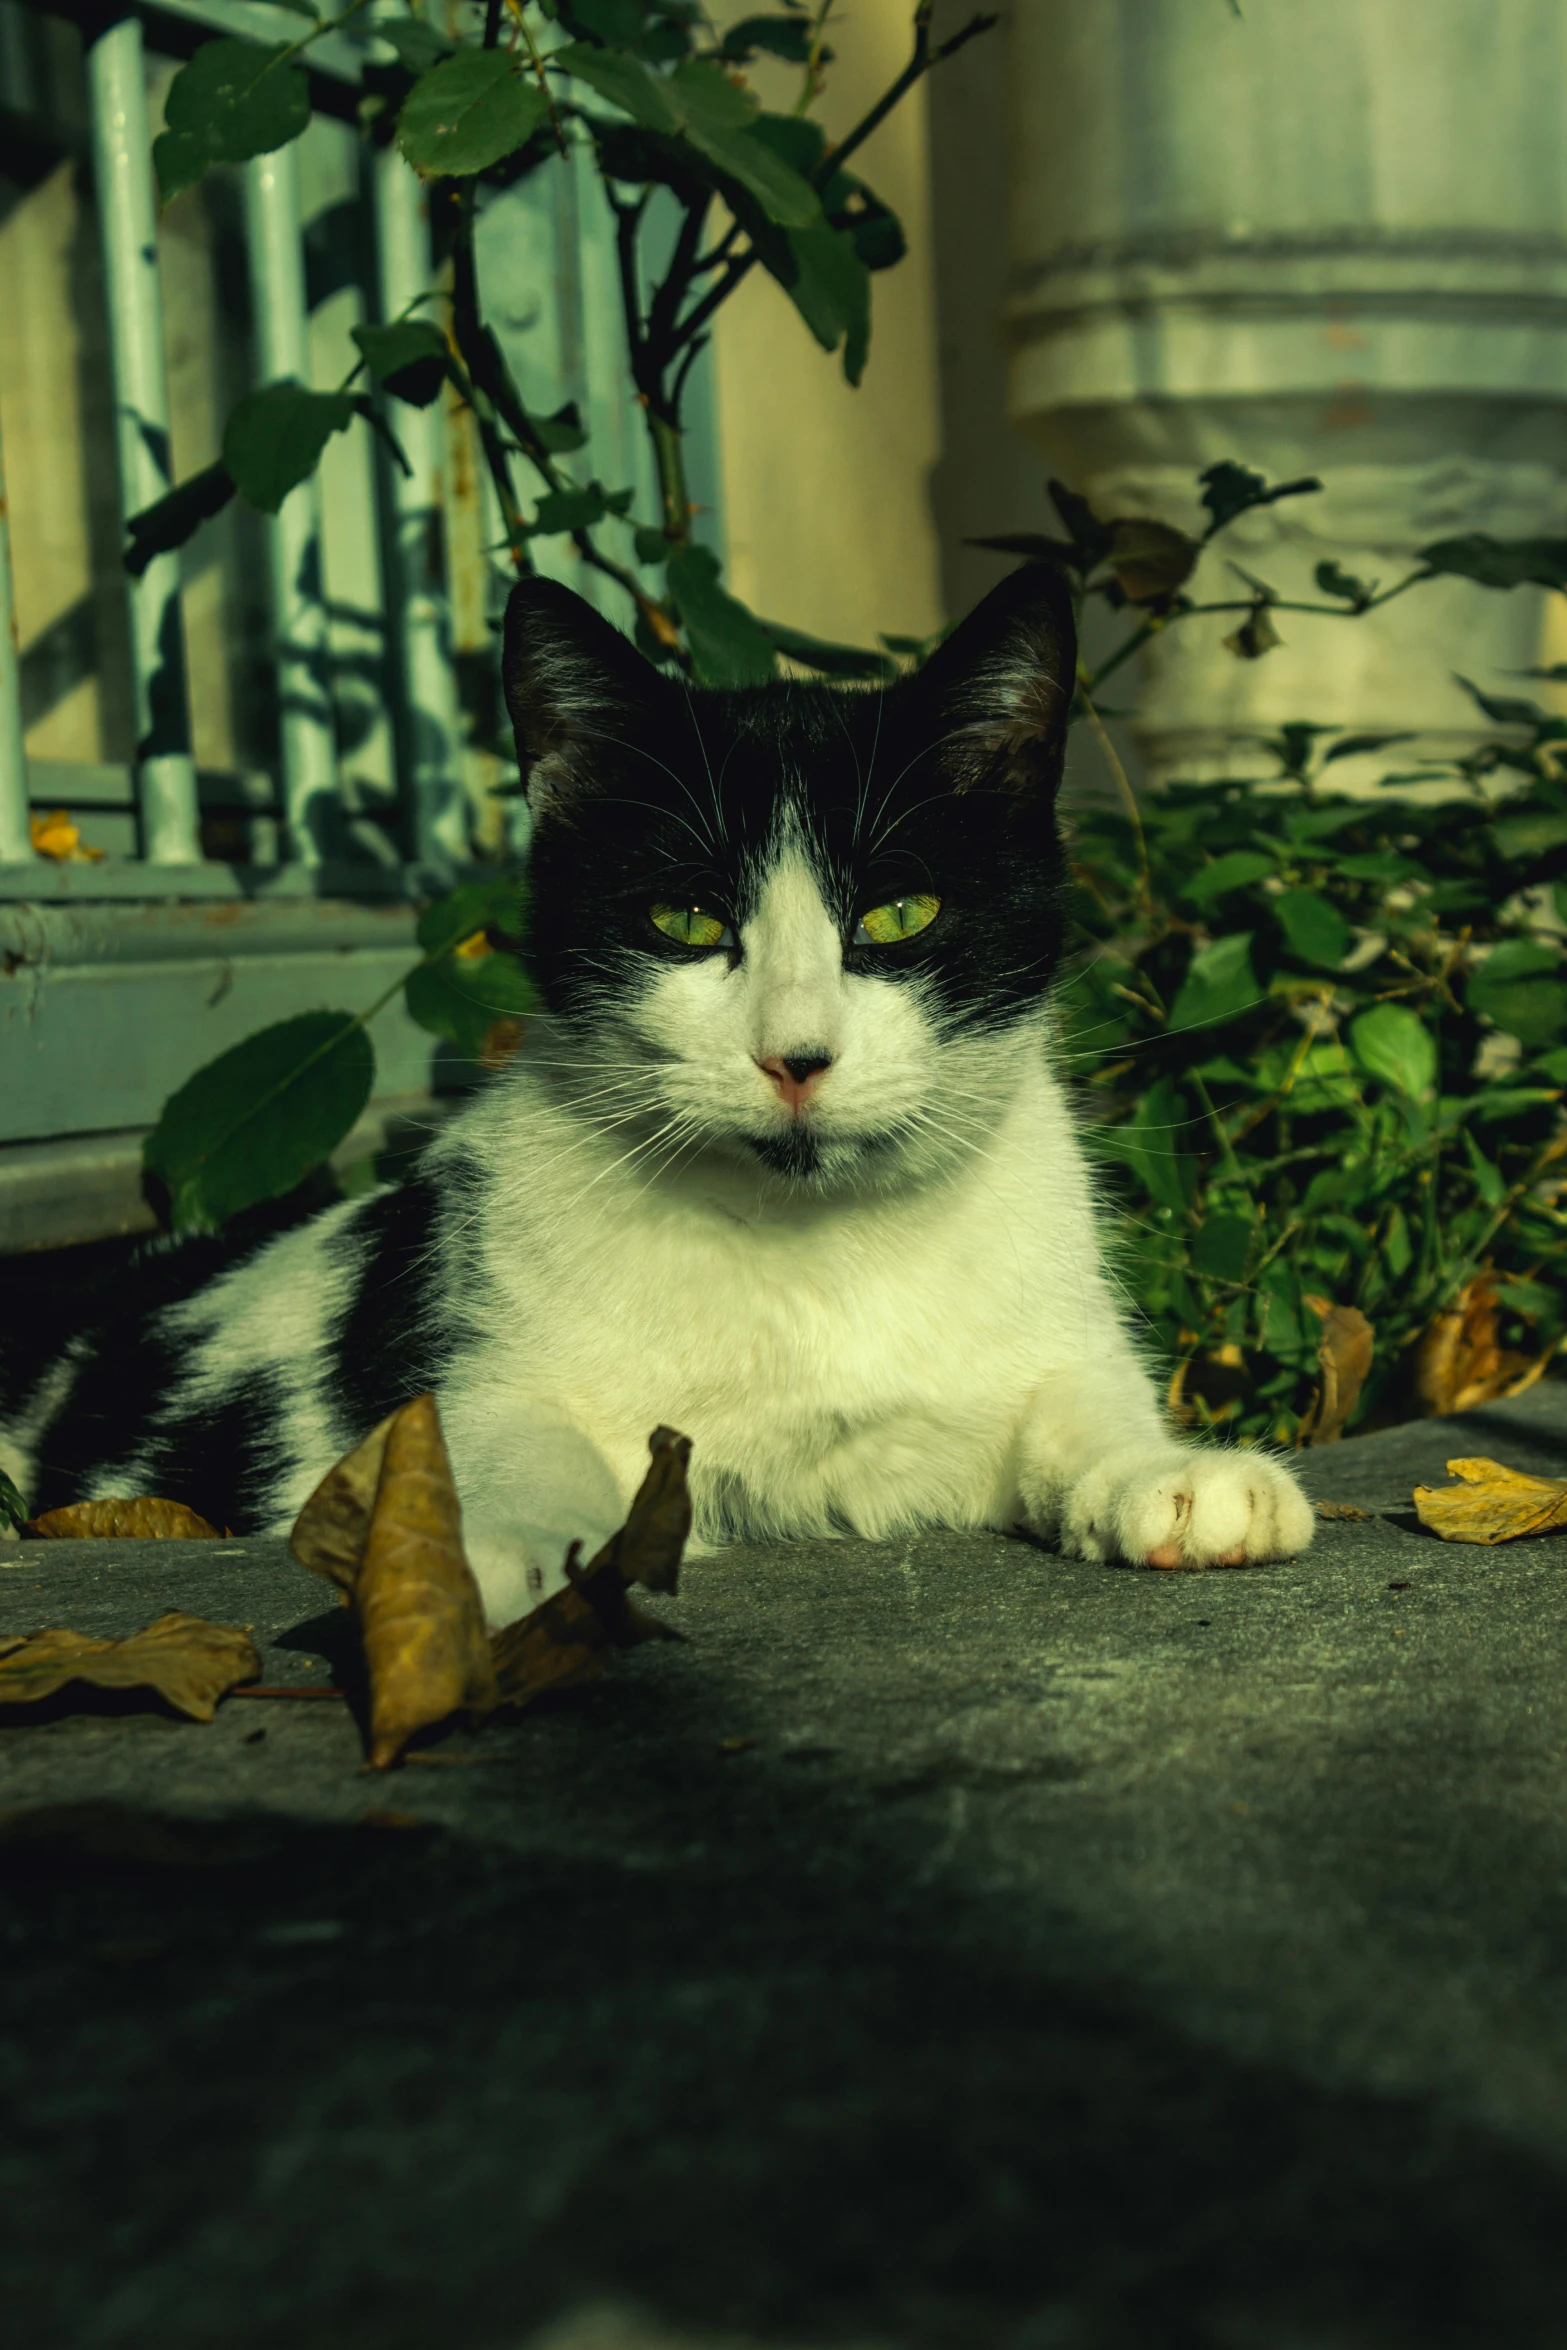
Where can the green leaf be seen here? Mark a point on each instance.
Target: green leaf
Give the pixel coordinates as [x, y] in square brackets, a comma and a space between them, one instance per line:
[788, 37]
[1149, 1144]
[1230, 489]
[1488, 1177]
[1334, 580]
[235, 99]
[1353, 746]
[1397, 1247]
[177, 516]
[619, 22]
[1317, 932]
[1221, 1246]
[1235, 870]
[1504, 709]
[274, 439]
[577, 509]
[828, 284]
[419, 44]
[255, 1122]
[728, 644]
[13, 1509]
[1532, 835]
[718, 119]
[1511, 989]
[651, 546]
[625, 82]
[562, 432]
[828, 660]
[467, 112]
[1500, 563]
[1219, 983]
[874, 228]
[500, 905]
[409, 358]
[461, 998]
[1392, 1043]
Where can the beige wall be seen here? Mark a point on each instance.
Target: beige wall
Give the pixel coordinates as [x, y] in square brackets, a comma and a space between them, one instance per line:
[827, 489]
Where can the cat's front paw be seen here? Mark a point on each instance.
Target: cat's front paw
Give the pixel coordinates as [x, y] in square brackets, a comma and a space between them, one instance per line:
[1213, 1508]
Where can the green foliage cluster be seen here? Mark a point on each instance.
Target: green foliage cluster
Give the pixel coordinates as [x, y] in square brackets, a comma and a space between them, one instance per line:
[658, 98]
[1323, 1037]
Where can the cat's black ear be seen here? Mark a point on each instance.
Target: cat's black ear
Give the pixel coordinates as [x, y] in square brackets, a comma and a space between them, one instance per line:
[1002, 686]
[576, 689]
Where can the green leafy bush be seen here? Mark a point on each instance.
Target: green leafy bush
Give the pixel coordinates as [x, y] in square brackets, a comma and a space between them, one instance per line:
[1323, 1039]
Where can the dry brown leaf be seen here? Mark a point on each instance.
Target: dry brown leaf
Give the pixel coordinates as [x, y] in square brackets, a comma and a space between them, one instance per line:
[385, 1526]
[568, 1639]
[420, 1614]
[146, 1520]
[1340, 1509]
[1492, 1504]
[330, 1532]
[1344, 1359]
[187, 1661]
[1461, 1361]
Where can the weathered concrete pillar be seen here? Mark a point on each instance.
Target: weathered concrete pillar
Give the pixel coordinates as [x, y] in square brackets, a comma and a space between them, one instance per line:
[1322, 236]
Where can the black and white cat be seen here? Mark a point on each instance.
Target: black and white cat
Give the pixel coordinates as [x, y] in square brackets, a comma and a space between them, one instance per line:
[786, 1165]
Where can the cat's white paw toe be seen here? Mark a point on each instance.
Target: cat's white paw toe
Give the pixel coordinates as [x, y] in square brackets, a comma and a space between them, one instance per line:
[1217, 1508]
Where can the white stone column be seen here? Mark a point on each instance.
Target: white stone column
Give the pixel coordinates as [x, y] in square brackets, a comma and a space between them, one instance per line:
[1324, 236]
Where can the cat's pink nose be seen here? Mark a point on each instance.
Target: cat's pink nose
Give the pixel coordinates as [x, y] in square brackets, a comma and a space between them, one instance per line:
[796, 1075]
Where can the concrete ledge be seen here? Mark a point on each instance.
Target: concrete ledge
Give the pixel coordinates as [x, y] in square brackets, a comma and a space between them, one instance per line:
[950, 1946]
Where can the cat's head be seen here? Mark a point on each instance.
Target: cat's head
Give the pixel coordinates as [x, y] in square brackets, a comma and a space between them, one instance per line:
[808, 929]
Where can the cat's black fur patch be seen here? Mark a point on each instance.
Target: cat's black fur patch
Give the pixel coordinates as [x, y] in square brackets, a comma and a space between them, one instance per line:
[126, 1368]
[395, 1335]
[944, 782]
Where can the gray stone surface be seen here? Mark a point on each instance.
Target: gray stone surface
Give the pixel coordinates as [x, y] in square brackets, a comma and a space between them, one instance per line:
[950, 1945]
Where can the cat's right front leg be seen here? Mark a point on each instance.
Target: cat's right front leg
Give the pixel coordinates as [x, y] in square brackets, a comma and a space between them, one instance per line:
[531, 1484]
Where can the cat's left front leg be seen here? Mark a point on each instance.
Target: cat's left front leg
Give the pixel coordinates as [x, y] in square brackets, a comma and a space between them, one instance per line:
[1101, 1474]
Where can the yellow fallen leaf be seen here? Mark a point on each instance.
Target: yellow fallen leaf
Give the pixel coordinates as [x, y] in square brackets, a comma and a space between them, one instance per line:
[1492, 1503]
[127, 1521]
[1461, 1361]
[187, 1661]
[56, 836]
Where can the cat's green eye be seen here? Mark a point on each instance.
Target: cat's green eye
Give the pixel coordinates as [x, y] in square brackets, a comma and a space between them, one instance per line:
[884, 926]
[691, 926]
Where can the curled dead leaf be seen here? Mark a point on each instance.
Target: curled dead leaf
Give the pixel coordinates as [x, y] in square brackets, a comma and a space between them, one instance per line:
[568, 1638]
[1461, 1361]
[185, 1660]
[385, 1525]
[420, 1614]
[1150, 559]
[1340, 1509]
[148, 1520]
[1344, 1358]
[1492, 1503]
[330, 1532]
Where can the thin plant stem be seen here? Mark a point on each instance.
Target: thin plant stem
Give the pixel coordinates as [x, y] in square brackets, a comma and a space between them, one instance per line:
[1124, 787]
